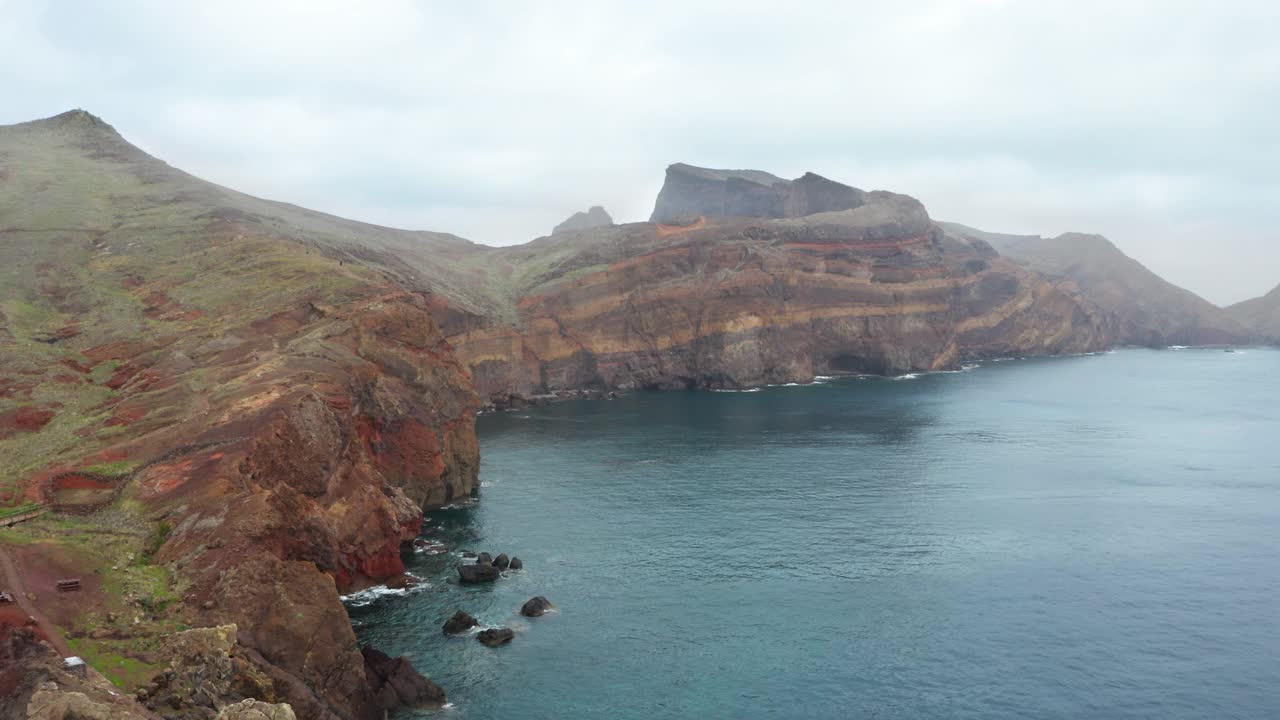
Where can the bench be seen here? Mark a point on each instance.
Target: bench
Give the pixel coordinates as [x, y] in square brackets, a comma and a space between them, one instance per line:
[68, 585]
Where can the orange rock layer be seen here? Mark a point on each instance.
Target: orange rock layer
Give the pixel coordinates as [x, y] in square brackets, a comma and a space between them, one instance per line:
[744, 304]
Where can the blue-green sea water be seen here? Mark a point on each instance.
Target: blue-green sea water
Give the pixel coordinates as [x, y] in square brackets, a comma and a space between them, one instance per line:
[1085, 537]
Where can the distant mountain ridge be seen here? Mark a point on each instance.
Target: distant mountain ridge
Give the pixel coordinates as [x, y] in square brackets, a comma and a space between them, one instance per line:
[592, 218]
[1261, 314]
[1147, 309]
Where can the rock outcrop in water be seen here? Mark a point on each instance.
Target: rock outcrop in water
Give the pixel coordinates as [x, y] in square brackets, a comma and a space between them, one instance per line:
[477, 573]
[494, 637]
[536, 607]
[460, 622]
[397, 685]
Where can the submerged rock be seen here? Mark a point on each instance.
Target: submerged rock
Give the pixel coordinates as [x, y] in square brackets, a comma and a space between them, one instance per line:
[459, 623]
[501, 562]
[396, 683]
[536, 607]
[494, 637]
[516, 564]
[477, 573]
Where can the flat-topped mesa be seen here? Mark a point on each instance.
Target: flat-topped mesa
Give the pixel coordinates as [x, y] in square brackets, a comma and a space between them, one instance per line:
[692, 191]
[593, 218]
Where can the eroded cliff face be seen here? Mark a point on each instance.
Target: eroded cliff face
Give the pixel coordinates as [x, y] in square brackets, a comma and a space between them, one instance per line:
[735, 302]
[299, 477]
[255, 419]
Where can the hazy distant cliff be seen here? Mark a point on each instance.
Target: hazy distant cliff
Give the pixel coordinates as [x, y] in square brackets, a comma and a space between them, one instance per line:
[1146, 309]
[1261, 314]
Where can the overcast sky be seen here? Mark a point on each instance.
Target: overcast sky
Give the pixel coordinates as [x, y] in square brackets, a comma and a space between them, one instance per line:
[1153, 123]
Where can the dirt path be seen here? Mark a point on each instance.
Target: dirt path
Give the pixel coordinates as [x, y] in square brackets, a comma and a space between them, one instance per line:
[13, 583]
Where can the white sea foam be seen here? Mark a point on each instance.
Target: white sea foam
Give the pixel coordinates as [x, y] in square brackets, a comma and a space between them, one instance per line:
[735, 391]
[908, 376]
[1177, 347]
[823, 378]
[373, 594]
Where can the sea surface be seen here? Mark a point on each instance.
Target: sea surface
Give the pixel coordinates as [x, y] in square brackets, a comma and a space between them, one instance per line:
[1079, 537]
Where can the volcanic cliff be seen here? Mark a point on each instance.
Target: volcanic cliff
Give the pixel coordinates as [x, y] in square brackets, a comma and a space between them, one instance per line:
[756, 280]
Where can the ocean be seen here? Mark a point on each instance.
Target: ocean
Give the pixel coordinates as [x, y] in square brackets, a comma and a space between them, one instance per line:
[1075, 537]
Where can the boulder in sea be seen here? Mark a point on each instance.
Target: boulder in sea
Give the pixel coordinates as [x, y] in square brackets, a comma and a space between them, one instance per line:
[494, 637]
[396, 684]
[459, 623]
[468, 554]
[478, 573]
[536, 607]
[501, 562]
[484, 558]
[516, 564]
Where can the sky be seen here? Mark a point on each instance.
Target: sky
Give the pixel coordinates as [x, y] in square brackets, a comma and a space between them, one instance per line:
[1153, 123]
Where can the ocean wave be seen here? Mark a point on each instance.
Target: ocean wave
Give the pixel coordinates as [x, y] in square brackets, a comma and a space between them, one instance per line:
[1177, 347]
[377, 592]
[729, 390]
[908, 376]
